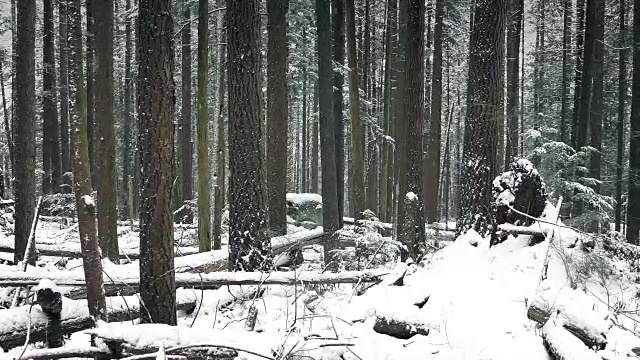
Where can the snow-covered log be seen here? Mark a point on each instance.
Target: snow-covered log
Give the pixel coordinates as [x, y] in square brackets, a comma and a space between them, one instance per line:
[218, 260]
[73, 317]
[202, 281]
[587, 327]
[74, 251]
[521, 230]
[398, 328]
[64, 353]
[562, 345]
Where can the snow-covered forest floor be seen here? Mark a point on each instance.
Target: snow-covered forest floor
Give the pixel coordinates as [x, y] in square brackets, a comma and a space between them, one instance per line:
[465, 301]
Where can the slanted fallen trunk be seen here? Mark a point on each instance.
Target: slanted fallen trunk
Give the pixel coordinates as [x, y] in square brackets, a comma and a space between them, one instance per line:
[562, 345]
[73, 317]
[588, 328]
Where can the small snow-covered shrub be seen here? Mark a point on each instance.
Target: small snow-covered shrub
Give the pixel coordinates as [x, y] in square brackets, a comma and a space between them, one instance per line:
[305, 207]
[59, 205]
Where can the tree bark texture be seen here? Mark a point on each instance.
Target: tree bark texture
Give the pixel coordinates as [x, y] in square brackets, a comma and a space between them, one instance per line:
[566, 45]
[204, 167]
[514, 28]
[186, 146]
[65, 139]
[337, 22]
[156, 103]
[633, 210]
[92, 262]
[580, 56]
[127, 168]
[51, 144]
[91, 120]
[622, 98]
[400, 123]
[414, 112]
[105, 136]
[331, 208]
[221, 150]
[432, 171]
[249, 246]
[597, 98]
[25, 124]
[357, 129]
[483, 116]
[277, 114]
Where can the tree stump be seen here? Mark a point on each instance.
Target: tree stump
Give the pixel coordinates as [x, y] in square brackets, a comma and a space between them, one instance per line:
[522, 188]
[50, 300]
[409, 236]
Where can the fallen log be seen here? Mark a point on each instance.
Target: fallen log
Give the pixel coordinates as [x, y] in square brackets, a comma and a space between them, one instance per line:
[399, 328]
[562, 345]
[201, 281]
[73, 317]
[74, 251]
[521, 230]
[218, 260]
[589, 329]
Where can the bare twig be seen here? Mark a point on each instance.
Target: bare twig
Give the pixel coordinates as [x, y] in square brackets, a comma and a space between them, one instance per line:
[26, 342]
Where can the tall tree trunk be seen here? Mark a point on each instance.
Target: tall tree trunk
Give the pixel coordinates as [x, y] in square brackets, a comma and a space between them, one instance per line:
[337, 21]
[305, 123]
[372, 158]
[622, 98]
[597, 98]
[566, 45]
[277, 114]
[204, 169]
[14, 39]
[330, 205]
[91, 121]
[7, 126]
[388, 111]
[25, 125]
[579, 56]
[92, 262]
[315, 158]
[357, 130]
[514, 22]
[186, 147]
[432, 172]
[51, 148]
[633, 210]
[127, 128]
[106, 147]
[400, 130]
[586, 91]
[414, 72]
[221, 169]
[156, 135]
[250, 247]
[65, 140]
[483, 115]
[539, 85]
